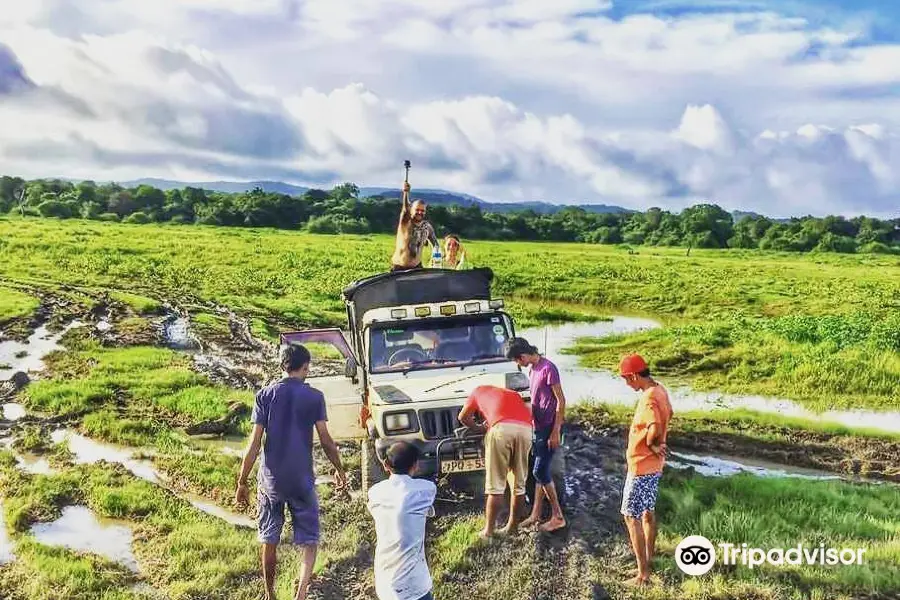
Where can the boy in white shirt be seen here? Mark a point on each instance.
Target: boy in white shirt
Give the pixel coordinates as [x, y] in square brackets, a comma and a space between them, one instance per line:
[399, 505]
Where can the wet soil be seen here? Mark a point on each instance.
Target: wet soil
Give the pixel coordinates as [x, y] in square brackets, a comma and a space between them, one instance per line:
[534, 566]
[846, 455]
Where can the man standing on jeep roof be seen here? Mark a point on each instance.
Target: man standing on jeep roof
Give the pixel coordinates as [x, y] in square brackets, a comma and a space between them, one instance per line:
[413, 231]
[286, 412]
[548, 405]
[506, 446]
[646, 456]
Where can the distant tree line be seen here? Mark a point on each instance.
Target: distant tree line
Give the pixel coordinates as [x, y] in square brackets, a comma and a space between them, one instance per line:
[341, 210]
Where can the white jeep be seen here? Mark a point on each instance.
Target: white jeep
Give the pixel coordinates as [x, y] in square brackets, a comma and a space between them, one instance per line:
[417, 343]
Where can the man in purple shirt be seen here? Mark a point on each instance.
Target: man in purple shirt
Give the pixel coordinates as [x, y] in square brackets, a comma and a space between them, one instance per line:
[287, 412]
[548, 406]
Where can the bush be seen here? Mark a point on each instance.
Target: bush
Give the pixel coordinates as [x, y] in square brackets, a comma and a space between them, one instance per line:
[108, 217]
[878, 248]
[137, 218]
[55, 208]
[836, 243]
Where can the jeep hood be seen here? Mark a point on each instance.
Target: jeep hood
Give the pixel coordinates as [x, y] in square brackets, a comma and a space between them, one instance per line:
[446, 387]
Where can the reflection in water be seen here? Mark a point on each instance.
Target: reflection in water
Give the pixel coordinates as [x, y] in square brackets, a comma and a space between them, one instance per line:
[35, 465]
[88, 451]
[79, 529]
[721, 466]
[217, 511]
[13, 411]
[7, 555]
[584, 384]
[177, 333]
[29, 356]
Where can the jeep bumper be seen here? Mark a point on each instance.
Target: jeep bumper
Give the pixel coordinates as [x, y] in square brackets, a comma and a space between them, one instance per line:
[438, 453]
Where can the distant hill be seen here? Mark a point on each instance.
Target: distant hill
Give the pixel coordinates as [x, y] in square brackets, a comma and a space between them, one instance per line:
[230, 187]
[431, 196]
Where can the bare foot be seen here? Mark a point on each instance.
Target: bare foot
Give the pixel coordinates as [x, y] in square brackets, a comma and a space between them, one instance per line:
[637, 581]
[485, 534]
[529, 523]
[508, 530]
[553, 524]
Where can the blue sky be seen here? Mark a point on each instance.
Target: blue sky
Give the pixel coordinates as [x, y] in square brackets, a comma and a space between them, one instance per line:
[788, 108]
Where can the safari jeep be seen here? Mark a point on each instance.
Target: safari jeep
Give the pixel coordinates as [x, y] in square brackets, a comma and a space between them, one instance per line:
[417, 343]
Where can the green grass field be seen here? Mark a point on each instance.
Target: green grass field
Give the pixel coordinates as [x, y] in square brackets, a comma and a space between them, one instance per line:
[820, 329]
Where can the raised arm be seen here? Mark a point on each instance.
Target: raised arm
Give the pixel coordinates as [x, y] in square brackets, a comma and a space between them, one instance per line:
[405, 207]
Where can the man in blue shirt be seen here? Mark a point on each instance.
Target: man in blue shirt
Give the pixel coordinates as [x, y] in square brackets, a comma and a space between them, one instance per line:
[287, 412]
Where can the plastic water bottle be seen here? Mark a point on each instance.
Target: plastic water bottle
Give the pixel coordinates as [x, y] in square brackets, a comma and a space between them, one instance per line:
[437, 259]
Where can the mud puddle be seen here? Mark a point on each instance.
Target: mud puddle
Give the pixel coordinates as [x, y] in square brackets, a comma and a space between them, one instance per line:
[582, 384]
[177, 334]
[219, 512]
[13, 411]
[34, 465]
[726, 466]
[242, 362]
[79, 529]
[28, 356]
[229, 445]
[7, 550]
[88, 451]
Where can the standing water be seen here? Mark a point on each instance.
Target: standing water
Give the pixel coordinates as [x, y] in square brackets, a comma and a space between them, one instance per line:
[582, 384]
[88, 451]
[177, 333]
[79, 529]
[29, 356]
[13, 411]
[722, 466]
[6, 546]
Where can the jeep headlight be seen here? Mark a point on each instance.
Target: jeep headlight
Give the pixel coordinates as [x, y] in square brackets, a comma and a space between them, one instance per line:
[399, 422]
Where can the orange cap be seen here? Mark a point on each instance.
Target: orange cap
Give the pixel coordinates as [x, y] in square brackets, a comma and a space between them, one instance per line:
[632, 365]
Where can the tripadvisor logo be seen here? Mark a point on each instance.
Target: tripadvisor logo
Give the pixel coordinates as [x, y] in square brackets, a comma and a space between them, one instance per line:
[696, 555]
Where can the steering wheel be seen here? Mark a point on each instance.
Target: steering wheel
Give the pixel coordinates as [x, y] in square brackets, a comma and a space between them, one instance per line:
[406, 354]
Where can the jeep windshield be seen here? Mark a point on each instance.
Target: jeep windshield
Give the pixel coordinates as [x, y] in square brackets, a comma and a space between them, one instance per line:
[403, 346]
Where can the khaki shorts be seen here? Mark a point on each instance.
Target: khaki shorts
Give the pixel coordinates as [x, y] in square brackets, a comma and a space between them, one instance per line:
[506, 448]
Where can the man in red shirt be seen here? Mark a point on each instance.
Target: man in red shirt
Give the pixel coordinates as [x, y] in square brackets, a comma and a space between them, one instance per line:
[507, 445]
[646, 456]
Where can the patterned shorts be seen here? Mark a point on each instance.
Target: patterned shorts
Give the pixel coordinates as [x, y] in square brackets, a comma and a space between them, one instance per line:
[639, 495]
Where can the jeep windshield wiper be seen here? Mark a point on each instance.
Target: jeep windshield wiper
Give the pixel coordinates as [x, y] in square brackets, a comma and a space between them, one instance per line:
[478, 357]
[423, 363]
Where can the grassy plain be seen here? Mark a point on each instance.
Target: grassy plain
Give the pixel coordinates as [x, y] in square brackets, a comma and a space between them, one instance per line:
[819, 329]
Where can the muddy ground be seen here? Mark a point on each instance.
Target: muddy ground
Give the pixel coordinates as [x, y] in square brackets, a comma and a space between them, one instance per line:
[528, 565]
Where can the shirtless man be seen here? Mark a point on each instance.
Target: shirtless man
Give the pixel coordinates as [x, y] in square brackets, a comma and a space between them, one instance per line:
[412, 233]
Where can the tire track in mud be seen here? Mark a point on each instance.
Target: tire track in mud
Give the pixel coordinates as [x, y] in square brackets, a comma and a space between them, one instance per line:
[556, 566]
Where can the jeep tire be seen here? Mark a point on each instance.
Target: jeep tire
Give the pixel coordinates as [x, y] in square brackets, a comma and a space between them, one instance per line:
[372, 470]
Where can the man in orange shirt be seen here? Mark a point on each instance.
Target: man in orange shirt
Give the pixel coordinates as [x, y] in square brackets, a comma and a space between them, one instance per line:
[507, 445]
[646, 456]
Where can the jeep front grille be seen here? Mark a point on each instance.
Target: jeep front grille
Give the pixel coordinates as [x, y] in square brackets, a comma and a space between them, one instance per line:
[438, 423]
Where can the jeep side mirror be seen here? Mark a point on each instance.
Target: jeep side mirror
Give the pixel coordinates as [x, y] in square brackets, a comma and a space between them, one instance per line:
[350, 369]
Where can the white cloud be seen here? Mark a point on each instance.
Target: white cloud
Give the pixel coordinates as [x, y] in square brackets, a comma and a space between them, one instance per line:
[507, 99]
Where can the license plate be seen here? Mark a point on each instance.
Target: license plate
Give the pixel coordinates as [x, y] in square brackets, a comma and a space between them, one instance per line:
[461, 466]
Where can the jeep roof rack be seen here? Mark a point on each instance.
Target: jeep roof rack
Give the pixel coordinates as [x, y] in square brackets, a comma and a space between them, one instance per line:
[418, 286]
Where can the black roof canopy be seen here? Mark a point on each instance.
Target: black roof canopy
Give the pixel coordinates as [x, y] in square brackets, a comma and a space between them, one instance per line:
[418, 286]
